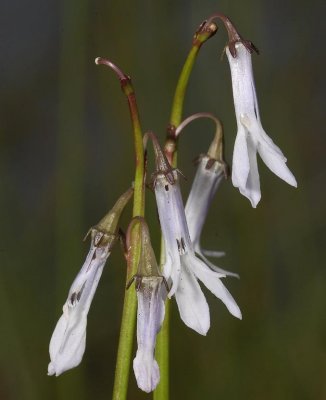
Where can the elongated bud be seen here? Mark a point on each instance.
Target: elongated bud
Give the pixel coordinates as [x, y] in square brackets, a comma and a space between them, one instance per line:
[68, 341]
[150, 315]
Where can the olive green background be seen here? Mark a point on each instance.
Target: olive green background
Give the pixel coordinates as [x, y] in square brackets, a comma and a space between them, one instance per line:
[66, 154]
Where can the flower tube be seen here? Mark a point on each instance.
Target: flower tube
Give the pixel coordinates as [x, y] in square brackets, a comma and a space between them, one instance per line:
[251, 137]
[183, 268]
[151, 290]
[68, 340]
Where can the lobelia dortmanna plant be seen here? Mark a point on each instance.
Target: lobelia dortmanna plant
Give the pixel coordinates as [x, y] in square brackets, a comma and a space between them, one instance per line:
[183, 262]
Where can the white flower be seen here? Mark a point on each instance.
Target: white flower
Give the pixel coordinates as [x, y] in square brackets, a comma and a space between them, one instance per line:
[150, 316]
[182, 266]
[67, 345]
[209, 175]
[68, 341]
[251, 136]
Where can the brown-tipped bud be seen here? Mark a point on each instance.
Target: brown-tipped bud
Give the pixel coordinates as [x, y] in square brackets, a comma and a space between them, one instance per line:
[234, 35]
[206, 30]
[147, 263]
[162, 164]
[216, 150]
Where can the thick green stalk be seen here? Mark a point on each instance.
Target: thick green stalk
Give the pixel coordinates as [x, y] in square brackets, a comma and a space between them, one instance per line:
[205, 31]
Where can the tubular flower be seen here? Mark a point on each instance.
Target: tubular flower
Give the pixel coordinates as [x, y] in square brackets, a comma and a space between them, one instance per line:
[210, 173]
[68, 340]
[251, 137]
[182, 267]
[150, 315]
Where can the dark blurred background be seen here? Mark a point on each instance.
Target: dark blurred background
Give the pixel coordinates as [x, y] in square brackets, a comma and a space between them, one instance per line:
[66, 154]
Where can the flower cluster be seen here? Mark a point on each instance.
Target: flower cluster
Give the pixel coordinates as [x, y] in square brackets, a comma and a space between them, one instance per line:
[185, 262]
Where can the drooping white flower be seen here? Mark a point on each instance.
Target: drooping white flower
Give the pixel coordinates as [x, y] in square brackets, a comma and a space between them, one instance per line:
[209, 175]
[211, 171]
[251, 137]
[151, 293]
[182, 267]
[150, 316]
[68, 340]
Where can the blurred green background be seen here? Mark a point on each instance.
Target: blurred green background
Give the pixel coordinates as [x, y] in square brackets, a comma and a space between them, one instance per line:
[66, 155]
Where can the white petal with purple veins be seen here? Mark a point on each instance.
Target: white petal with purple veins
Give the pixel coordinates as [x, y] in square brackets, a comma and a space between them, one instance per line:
[68, 340]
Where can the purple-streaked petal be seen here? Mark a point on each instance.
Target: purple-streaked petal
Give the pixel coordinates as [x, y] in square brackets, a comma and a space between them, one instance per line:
[68, 340]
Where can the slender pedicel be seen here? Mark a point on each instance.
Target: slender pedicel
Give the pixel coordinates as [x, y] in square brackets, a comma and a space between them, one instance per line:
[206, 30]
[233, 34]
[130, 302]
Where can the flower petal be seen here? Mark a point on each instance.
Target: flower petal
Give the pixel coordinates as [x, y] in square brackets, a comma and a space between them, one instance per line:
[211, 280]
[68, 340]
[240, 163]
[150, 315]
[212, 253]
[67, 344]
[146, 371]
[252, 189]
[173, 224]
[191, 301]
[276, 163]
[216, 268]
[203, 189]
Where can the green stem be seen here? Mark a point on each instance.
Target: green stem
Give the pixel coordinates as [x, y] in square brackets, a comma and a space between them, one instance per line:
[128, 322]
[205, 31]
